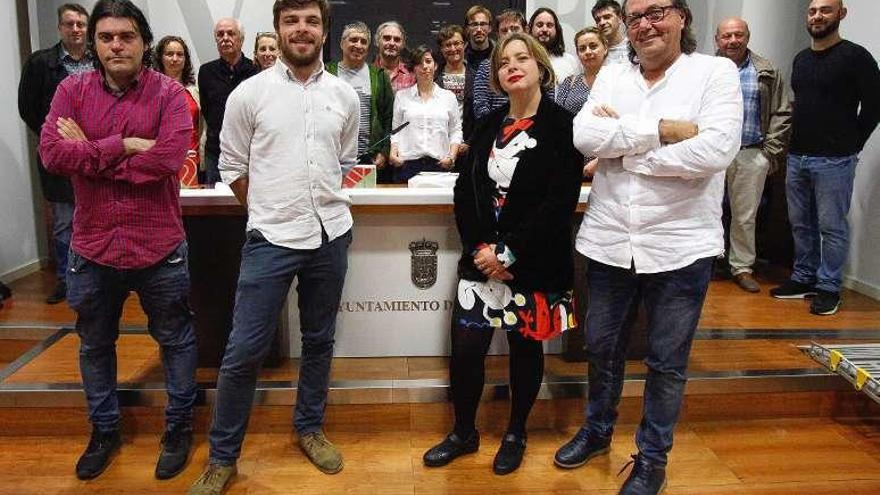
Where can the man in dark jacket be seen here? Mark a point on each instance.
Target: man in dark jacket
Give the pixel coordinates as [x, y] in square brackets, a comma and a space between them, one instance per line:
[42, 73]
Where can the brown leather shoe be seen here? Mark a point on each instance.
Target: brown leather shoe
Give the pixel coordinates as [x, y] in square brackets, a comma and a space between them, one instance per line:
[746, 282]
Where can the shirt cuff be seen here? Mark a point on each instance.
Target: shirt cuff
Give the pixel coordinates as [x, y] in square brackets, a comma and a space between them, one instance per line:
[504, 254]
[111, 152]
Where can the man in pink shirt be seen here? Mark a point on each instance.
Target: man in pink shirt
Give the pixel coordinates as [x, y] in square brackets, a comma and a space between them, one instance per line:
[121, 133]
[391, 41]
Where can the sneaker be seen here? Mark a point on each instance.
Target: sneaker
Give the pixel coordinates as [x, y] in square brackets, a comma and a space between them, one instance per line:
[646, 477]
[57, 295]
[452, 447]
[323, 454]
[747, 282]
[176, 445]
[793, 290]
[213, 480]
[510, 454]
[100, 451]
[580, 449]
[825, 303]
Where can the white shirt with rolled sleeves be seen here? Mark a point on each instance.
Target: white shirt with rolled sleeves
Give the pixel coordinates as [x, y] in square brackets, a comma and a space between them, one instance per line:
[294, 141]
[658, 207]
[434, 125]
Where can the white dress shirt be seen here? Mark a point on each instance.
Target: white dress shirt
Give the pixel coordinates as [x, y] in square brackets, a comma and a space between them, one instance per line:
[294, 141]
[658, 207]
[434, 124]
[565, 65]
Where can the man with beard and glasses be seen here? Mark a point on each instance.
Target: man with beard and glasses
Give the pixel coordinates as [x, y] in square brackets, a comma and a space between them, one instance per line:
[217, 79]
[665, 131]
[293, 125]
[42, 73]
[509, 21]
[766, 126]
[391, 41]
[836, 108]
[544, 26]
[121, 133]
[608, 18]
[478, 21]
[374, 91]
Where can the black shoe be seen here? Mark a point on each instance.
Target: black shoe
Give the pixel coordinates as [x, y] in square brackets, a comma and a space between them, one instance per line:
[176, 444]
[96, 458]
[580, 449]
[646, 477]
[58, 295]
[825, 303]
[510, 454]
[451, 447]
[793, 290]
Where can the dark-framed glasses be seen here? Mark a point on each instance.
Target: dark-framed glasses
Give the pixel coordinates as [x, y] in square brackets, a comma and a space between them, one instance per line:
[653, 15]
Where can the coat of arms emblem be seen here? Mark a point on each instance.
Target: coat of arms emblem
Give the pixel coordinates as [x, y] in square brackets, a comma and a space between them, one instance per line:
[423, 263]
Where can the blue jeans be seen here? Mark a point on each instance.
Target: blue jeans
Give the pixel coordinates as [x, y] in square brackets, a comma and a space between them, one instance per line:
[819, 191]
[673, 301]
[267, 271]
[97, 294]
[62, 227]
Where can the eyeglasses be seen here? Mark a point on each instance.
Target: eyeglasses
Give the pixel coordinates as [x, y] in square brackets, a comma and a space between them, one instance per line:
[478, 24]
[74, 24]
[453, 44]
[652, 15]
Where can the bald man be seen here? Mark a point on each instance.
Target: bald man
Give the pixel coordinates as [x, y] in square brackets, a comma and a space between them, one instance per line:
[766, 126]
[836, 110]
[217, 79]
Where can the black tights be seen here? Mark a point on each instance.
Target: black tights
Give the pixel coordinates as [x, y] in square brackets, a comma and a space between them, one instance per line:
[467, 375]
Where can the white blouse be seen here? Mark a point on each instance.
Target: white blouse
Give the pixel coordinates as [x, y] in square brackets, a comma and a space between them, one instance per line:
[434, 124]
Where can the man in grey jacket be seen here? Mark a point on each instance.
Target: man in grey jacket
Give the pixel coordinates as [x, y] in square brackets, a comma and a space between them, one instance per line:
[766, 127]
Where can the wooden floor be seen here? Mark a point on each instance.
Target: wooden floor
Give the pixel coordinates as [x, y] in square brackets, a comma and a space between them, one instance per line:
[779, 457]
[731, 444]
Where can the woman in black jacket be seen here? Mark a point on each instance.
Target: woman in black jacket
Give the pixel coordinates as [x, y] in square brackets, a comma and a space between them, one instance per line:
[513, 206]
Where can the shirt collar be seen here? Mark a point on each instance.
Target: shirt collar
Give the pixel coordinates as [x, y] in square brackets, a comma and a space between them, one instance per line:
[87, 56]
[118, 93]
[747, 61]
[281, 68]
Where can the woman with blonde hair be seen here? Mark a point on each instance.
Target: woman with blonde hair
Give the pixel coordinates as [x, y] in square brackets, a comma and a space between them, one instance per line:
[514, 202]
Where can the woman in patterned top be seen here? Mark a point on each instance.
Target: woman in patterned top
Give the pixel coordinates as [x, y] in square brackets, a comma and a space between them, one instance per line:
[454, 74]
[513, 206]
[572, 93]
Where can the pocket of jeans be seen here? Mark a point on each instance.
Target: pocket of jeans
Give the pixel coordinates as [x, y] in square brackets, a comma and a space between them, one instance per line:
[178, 256]
[75, 262]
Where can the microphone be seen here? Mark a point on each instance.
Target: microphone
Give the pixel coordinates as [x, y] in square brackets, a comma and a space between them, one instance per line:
[378, 144]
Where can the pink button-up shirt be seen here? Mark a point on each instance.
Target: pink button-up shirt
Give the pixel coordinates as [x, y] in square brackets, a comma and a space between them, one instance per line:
[127, 206]
[401, 77]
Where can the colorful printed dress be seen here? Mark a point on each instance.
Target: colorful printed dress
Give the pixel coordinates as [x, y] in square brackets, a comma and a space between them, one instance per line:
[493, 304]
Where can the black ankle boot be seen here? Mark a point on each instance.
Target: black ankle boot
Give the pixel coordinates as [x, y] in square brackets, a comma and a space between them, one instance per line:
[510, 454]
[96, 458]
[451, 447]
[176, 445]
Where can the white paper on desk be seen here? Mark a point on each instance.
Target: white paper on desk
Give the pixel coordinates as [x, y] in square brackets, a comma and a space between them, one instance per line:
[433, 179]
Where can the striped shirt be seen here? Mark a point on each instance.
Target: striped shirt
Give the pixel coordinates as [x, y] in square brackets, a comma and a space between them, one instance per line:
[127, 206]
[485, 100]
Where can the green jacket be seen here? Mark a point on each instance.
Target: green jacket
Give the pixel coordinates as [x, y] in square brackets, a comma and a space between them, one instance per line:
[381, 105]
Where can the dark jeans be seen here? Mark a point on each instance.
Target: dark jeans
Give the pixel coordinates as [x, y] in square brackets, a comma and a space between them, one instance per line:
[97, 294]
[62, 228]
[267, 272]
[673, 301]
[411, 168]
[212, 172]
[819, 192]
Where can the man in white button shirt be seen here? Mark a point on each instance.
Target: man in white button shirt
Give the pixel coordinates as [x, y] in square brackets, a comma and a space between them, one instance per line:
[288, 136]
[664, 131]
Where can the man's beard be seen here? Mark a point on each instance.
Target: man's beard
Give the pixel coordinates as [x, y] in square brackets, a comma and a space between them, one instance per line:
[826, 31]
[299, 59]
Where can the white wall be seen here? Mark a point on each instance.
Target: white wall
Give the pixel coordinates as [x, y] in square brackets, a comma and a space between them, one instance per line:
[863, 272]
[18, 238]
